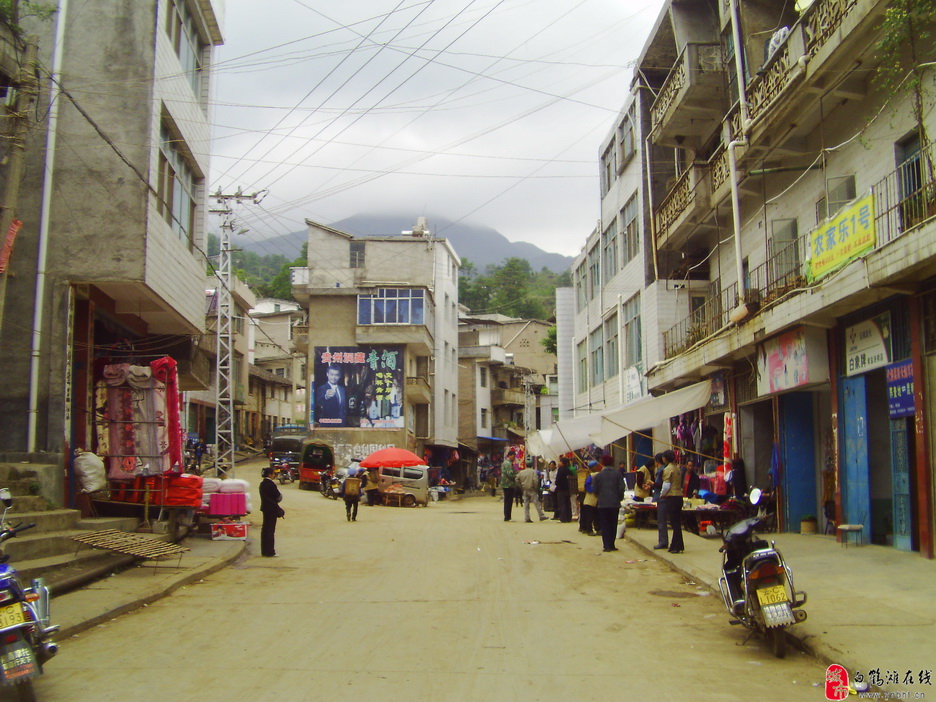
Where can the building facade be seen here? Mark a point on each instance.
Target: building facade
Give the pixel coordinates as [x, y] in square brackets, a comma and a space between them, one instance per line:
[109, 264]
[382, 342]
[797, 217]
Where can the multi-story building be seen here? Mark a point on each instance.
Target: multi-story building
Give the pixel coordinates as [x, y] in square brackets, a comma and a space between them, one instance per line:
[503, 370]
[278, 344]
[382, 341]
[201, 409]
[797, 218]
[109, 264]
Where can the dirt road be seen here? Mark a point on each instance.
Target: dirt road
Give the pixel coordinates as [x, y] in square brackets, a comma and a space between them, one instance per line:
[447, 602]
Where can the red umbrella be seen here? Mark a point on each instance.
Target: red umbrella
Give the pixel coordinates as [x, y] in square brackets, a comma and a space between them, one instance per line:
[393, 457]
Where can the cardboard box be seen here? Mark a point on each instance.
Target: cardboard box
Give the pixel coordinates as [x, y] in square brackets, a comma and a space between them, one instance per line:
[229, 531]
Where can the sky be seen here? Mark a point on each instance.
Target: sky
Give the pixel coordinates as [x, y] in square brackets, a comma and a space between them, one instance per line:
[490, 112]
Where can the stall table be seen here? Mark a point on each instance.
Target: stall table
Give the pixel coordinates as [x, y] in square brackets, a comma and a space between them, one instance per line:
[721, 518]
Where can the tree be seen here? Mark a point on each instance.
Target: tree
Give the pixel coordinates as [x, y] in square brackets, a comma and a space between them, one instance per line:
[550, 342]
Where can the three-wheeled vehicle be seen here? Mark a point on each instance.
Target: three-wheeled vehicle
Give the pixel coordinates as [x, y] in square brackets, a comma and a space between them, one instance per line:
[317, 458]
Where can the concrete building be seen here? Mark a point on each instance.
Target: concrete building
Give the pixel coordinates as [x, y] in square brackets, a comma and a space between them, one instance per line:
[383, 325]
[503, 371]
[278, 344]
[201, 405]
[109, 264]
[797, 220]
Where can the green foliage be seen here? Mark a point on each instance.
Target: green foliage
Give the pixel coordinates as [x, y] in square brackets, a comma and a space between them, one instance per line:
[905, 44]
[511, 289]
[550, 342]
[12, 12]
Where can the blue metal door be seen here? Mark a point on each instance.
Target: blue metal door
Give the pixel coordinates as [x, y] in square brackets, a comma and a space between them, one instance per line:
[799, 456]
[856, 492]
[900, 479]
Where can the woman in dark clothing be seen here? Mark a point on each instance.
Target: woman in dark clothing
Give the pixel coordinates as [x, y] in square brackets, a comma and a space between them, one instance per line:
[270, 497]
[738, 479]
[561, 494]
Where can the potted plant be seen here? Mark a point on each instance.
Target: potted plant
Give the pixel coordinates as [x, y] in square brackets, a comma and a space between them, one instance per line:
[808, 524]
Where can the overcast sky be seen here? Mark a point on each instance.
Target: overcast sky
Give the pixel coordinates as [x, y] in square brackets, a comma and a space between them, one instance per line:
[487, 111]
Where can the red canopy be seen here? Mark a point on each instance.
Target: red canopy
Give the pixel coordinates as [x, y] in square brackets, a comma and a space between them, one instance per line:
[393, 457]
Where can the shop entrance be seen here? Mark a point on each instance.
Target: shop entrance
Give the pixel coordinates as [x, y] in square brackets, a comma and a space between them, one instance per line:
[757, 437]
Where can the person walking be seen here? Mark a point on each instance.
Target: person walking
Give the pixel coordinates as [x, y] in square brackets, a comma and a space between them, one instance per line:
[508, 483]
[609, 489]
[589, 501]
[671, 493]
[270, 497]
[528, 481]
[662, 535]
[564, 478]
[351, 490]
[372, 487]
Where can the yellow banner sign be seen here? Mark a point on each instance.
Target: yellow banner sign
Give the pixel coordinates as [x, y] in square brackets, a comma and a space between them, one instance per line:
[836, 242]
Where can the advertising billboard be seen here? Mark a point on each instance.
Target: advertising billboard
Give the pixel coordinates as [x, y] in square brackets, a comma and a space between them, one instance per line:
[357, 386]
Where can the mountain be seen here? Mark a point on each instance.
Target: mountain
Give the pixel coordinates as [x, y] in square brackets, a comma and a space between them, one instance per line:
[479, 244]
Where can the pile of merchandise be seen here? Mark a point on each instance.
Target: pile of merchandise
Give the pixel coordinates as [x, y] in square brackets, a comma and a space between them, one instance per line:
[225, 497]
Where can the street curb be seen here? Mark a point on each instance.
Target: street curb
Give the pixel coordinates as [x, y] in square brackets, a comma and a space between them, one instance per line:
[809, 643]
[185, 578]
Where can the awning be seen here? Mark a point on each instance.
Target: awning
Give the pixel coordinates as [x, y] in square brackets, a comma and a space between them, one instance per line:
[602, 428]
[490, 438]
[650, 411]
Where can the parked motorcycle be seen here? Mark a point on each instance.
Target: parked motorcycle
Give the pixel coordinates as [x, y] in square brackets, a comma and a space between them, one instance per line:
[757, 584]
[25, 630]
[283, 473]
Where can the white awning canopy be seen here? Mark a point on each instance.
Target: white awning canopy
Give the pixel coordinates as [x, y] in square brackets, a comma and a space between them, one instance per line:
[602, 428]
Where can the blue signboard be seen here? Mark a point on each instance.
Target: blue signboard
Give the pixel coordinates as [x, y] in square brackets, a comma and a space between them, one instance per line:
[900, 389]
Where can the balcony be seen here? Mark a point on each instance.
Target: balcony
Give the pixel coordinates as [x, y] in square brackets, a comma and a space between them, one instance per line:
[689, 105]
[418, 391]
[417, 337]
[501, 397]
[300, 338]
[686, 204]
[702, 323]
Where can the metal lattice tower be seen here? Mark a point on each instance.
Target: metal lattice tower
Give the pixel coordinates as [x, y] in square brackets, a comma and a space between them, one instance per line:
[224, 368]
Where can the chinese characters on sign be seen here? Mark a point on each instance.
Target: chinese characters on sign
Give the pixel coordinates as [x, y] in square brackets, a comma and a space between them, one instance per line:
[837, 682]
[847, 236]
[868, 345]
[358, 386]
[900, 389]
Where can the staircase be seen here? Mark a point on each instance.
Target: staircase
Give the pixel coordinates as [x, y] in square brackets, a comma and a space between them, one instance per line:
[47, 550]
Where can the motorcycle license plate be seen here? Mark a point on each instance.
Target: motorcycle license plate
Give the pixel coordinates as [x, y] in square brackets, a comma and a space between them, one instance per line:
[772, 595]
[12, 615]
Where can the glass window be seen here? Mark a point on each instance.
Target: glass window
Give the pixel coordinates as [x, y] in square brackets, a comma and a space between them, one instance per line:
[186, 42]
[609, 245]
[582, 355]
[176, 187]
[484, 417]
[391, 306]
[596, 346]
[412, 473]
[483, 376]
[633, 354]
[357, 254]
[611, 346]
[630, 230]
[627, 137]
[594, 272]
[580, 276]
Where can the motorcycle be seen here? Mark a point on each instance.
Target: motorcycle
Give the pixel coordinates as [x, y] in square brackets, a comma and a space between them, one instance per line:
[757, 585]
[330, 484]
[284, 473]
[25, 630]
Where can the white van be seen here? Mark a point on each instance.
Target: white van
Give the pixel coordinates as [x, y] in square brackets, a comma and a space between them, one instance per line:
[413, 479]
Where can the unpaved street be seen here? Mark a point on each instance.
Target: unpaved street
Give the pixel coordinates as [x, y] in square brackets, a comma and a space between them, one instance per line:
[447, 602]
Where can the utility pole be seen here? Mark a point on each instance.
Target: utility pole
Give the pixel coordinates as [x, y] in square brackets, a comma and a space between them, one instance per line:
[27, 89]
[224, 397]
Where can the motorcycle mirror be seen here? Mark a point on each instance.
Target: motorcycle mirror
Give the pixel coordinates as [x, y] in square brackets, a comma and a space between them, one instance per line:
[6, 497]
[755, 496]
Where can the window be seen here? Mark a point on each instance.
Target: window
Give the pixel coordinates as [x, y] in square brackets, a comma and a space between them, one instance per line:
[630, 230]
[611, 346]
[582, 355]
[176, 187]
[484, 417]
[608, 168]
[596, 347]
[581, 274]
[609, 246]
[627, 138]
[483, 376]
[783, 250]
[281, 372]
[357, 254]
[633, 355]
[186, 42]
[392, 306]
[594, 272]
[839, 192]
